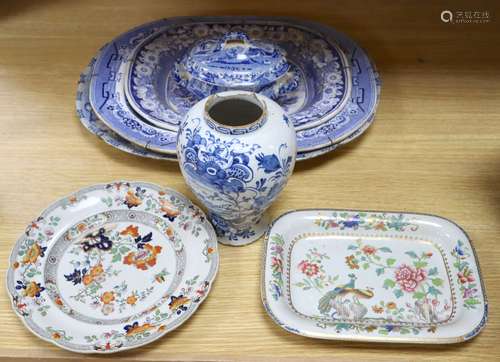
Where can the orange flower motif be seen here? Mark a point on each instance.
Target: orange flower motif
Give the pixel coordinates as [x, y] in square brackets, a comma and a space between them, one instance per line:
[351, 262]
[380, 226]
[87, 279]
[178, 302]
[81, 227]
[377, 309]
[129, 259]
[210, 250]
[143, 259]
[391, 305]
[32, 254]
[154, 250]
[56, 335]
[137, 329]
[161, 328]
[369, 250]
[168, 209]
[131, 230]
[169, 232]
[107, 297]
[32, 290]
[59, 301]
[96, 270]
[131, 199]
[141, 264]
[131, 299]
[15, 265]
[161, 193]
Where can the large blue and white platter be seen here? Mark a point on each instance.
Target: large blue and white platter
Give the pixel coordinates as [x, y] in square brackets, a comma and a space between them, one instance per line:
[321, 67]
[131, 90]
[95, 126]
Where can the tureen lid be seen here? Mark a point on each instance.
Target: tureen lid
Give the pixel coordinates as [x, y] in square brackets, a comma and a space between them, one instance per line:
[235, 60]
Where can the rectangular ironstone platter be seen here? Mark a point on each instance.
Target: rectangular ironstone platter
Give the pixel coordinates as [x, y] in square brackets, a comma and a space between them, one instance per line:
[372, 276]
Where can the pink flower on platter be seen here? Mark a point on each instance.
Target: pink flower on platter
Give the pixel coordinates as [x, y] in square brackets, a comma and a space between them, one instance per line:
[309, 269]
[276, 264]
[420, 275]
[409, 278]
[369, 250]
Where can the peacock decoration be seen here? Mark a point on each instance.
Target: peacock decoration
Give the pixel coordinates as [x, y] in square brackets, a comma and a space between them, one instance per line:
[345, 302]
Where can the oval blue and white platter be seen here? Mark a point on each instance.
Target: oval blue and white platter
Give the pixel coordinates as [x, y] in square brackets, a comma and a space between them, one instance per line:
[111, 106]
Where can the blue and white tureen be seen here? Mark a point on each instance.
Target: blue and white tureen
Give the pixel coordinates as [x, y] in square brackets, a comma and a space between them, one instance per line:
[234, 62]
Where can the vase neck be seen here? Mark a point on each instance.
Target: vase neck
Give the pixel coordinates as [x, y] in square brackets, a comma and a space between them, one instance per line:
[235, 113]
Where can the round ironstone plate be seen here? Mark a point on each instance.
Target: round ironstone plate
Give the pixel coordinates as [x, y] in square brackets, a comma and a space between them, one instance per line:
[112, 267]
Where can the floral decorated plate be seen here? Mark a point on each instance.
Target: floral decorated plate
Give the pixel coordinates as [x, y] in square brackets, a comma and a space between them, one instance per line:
[373, 276]
[95, 126]
[112, 267]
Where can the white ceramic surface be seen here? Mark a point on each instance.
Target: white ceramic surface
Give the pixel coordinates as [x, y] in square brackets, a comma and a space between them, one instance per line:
[372, 276]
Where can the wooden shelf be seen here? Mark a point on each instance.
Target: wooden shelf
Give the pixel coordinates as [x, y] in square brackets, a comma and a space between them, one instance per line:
[434, 147]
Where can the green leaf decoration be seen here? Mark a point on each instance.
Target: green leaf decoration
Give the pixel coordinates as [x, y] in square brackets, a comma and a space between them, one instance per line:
[433, 271]
[437, 282]
[366, 266]
[404, 330]
[419, 295]
[433, 291]
[472, 302]
[379, 271]
[389, 283]
[412, 254]
[390, 261]
[420, 264]
[352, 247]
[123, 249]
[385, 249]
[398, 293]
[117, 257]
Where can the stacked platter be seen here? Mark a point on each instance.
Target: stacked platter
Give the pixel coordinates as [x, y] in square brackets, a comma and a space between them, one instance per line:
[130, 97]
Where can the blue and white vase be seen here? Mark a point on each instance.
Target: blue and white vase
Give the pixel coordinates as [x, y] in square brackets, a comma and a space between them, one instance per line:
[236, 151]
